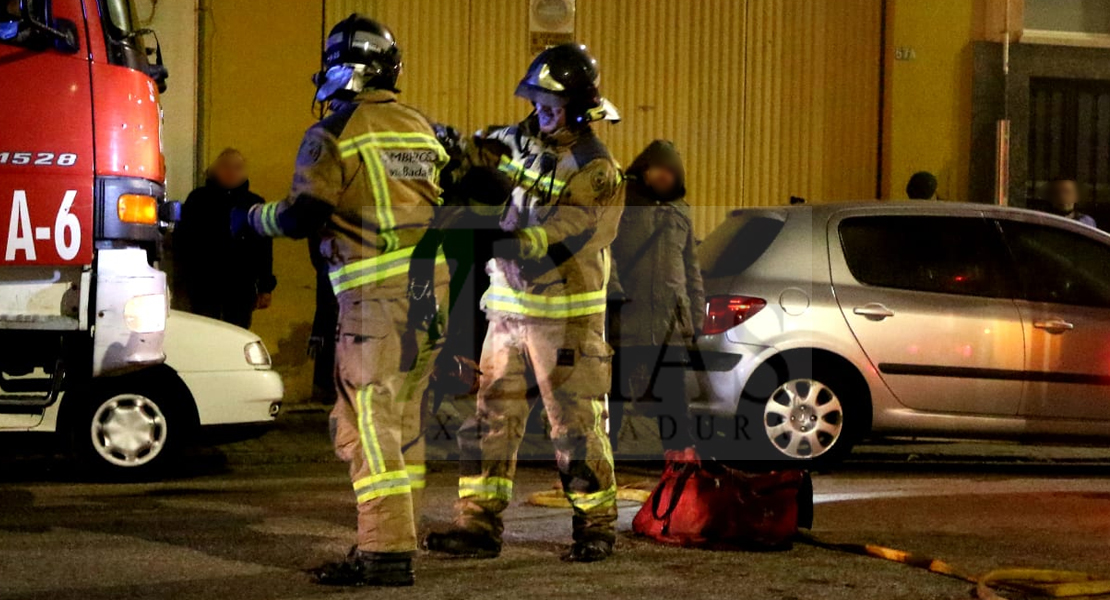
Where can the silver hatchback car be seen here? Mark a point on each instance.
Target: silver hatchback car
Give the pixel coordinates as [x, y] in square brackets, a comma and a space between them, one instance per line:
[827, 324]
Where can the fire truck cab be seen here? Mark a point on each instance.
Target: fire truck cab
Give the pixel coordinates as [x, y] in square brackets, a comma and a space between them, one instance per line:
[82, 203]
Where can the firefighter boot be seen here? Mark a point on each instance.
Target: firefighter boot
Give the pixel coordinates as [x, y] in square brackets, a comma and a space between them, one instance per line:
[460, 542]
[360, 568]
[586, 551]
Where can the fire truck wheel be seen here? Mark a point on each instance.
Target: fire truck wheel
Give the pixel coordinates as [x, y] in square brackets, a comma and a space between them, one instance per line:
[131, 429]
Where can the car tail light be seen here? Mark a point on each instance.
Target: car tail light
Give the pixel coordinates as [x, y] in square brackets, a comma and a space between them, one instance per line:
[137, 208]
[725, 312]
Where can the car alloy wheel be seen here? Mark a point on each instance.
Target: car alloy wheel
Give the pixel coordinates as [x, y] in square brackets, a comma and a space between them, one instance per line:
[129, 430]
[803, 418]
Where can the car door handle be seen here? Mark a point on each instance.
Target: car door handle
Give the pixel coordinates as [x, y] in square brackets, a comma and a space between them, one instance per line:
[1054, 325]
[873, 311]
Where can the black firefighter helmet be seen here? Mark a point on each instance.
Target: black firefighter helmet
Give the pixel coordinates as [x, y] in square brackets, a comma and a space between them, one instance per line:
[360, 53]
[566, 75]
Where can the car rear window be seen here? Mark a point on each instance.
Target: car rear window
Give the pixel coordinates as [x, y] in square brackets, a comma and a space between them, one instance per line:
[737, 243]
[947, 255]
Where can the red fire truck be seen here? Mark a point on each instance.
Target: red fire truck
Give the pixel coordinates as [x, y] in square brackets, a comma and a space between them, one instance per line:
[82, 203]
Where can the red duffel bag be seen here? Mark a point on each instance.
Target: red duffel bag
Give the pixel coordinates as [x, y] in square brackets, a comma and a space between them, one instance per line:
[712, 506]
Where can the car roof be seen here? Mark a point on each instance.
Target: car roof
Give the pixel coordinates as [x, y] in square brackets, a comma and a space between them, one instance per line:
[826, 212]
[881, 207]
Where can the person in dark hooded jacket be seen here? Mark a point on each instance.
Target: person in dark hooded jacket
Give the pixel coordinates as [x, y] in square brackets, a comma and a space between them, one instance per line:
[659, 283]
[223, 277]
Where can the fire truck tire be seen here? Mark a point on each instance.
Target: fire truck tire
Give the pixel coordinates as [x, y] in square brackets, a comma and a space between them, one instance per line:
[132, 427]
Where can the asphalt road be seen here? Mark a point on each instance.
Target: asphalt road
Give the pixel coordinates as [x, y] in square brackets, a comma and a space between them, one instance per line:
[244, 521]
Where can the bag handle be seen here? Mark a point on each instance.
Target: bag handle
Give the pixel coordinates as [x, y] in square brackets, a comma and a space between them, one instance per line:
[676, 493]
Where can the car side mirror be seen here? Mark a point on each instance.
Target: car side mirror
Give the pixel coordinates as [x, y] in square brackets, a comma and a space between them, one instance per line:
[156, 70]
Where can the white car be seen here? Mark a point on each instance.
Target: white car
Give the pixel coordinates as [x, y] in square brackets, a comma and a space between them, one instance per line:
[217, 378]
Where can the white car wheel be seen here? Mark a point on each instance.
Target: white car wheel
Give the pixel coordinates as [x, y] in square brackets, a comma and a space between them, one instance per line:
[129, 430]
[803, 418]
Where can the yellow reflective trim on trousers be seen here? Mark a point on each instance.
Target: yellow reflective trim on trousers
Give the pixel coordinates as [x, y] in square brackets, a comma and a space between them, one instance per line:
[366, 432]
[511, 301]
[417, 475]
[594, 500]
[486, 488]
[390, 483]
[602, 435]
[381, 477]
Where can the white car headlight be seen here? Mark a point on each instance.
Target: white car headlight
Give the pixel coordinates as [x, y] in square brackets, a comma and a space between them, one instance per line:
[257, 355]
[146, 314]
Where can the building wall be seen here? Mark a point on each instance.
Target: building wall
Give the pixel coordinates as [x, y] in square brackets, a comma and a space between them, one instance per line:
[257, 98]
[929, 96]
[765, 98]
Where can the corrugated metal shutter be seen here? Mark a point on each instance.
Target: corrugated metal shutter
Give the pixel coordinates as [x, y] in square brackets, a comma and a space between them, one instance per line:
[812, 103]
[675, 70]
[764, 98]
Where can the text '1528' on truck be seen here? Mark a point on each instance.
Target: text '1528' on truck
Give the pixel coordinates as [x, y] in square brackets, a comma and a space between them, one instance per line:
[82, 202]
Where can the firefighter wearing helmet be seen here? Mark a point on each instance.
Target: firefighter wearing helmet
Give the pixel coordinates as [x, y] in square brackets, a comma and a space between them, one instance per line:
[546, 309]
[367, 183]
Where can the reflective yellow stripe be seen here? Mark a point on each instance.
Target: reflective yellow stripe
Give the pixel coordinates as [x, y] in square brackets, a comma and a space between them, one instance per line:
[538, 238]
[593, 501]
[369, 146]
[268, 217]
[486, 488]
[543, 182]
[409, 139]
[383, 202]
[374, 270]
[416, 475]
[508, 300]
[390, 483]
[366, 432]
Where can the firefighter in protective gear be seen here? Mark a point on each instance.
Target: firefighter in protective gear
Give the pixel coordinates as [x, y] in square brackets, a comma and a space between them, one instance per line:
[546, 310]
[367, 182]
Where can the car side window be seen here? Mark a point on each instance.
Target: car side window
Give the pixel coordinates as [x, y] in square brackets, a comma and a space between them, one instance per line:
[1059, 266]
[946, 255]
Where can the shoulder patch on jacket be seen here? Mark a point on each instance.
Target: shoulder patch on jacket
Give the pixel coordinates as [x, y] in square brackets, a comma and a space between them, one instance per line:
[589, 148]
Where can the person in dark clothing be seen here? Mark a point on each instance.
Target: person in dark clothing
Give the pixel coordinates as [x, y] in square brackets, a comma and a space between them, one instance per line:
[224, 277]
[922, 186]
[663, 300]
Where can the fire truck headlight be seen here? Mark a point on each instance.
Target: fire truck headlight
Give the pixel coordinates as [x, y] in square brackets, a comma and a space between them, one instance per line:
[146, 314]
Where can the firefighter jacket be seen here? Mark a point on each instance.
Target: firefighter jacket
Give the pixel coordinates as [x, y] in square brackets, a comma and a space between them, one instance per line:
[564, 209]
[368, 175]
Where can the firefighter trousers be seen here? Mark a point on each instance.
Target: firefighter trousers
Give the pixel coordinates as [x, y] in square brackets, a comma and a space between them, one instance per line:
[565, 363]
[377, 422]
